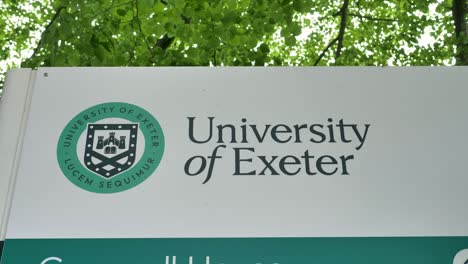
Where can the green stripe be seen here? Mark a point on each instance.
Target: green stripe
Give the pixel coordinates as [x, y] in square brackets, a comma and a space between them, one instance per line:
[384, 250]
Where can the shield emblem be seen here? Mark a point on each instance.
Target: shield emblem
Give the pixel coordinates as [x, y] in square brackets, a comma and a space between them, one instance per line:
[110, 148]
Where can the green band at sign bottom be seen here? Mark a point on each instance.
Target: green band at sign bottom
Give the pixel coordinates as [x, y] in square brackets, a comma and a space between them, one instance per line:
[378, 250]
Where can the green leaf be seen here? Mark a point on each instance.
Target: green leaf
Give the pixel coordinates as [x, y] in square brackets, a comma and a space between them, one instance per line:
[229, 17]
[191, 52]
[244, 4]
[159, 7]
[213, 42]
[231, 3]
[100, 53]
[147, 4]
[285, 32]
[299, 6]
[290, 41]
[179, 3]
[122, 12]
[264, 48]
[295, 29]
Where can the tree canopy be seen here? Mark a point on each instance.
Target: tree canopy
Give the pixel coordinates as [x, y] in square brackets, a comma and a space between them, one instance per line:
[232, 32]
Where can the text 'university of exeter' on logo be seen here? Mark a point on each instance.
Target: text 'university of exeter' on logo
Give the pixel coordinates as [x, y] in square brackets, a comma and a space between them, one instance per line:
[110, 147]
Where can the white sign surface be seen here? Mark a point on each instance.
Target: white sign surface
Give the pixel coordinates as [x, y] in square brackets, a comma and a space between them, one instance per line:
[246, 152]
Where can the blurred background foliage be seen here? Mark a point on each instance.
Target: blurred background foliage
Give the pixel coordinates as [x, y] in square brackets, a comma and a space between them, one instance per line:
[58, 33]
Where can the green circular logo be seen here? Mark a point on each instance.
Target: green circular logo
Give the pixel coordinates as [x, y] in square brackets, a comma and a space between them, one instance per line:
[111, 147]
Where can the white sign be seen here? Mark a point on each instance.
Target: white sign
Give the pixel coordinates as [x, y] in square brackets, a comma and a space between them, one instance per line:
[365, 154]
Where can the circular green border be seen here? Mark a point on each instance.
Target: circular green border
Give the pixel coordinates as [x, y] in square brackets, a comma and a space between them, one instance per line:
[67, 156]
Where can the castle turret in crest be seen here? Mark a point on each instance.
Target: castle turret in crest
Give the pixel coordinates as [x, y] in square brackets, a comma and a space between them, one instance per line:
[111, 144]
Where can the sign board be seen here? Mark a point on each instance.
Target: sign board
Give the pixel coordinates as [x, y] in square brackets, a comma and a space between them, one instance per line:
[12, 119]
[239, 165]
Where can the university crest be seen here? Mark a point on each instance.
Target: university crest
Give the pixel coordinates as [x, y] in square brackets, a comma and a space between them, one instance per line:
[110, 148]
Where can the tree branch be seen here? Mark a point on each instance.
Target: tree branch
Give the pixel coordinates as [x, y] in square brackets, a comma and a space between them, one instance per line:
[47, 28]
[148, 46]
[341, 33]
[325, 51]
[131, 53]
[459, 11]
[343, 12]
[111, 7]
[165, 41]
[372, 18]
[214, 59]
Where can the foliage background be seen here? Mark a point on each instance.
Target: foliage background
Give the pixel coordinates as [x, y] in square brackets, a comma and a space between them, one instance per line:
[37, 33]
